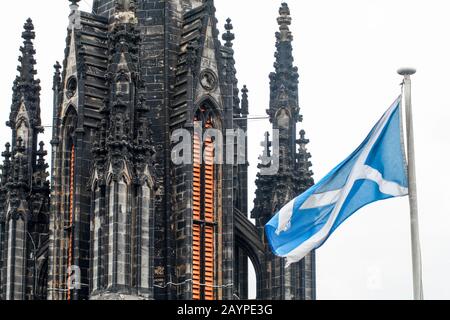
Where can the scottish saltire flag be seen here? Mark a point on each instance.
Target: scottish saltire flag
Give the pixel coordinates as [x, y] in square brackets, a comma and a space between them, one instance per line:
[375, 171]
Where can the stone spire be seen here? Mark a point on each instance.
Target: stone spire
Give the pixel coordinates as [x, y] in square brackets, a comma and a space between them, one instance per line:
[284, 81]
[26, 88]
[26, 191]
[284, 114]
[294, 174]
[27, 61]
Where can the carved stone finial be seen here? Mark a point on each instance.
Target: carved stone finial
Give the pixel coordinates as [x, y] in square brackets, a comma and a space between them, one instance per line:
[28, 33]
[57, 67]
[284, 21]
[303, 142]
[7, 153]
[285, 15]
[228, 37]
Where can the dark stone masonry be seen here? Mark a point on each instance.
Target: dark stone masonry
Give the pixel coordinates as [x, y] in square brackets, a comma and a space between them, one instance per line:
[118, 219]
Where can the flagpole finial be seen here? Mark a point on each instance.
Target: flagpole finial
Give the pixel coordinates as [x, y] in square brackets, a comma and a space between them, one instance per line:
[406, 71]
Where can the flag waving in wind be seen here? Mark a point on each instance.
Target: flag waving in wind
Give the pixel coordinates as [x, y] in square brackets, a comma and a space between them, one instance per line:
[377, 170]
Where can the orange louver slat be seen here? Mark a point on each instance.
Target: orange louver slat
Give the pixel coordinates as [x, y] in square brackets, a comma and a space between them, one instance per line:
[197, 180]
[196, 269]
[209, 217]
[209, 263]
[196, 243]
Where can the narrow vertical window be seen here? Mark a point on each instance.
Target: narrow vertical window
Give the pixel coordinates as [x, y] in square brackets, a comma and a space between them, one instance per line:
[209, 218]
[71, 206]
[196, 245]
[111, 221]
[145, 237]
[96, 236]
[204, 227]
[122, 232]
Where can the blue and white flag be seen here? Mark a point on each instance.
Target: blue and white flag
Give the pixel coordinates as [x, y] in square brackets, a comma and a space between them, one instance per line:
[376, 171]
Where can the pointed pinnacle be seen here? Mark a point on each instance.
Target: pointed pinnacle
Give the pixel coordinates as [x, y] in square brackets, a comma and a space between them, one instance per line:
[244, 102]
[7, 153]
[41, 153]
[302, 134]
[303, 142]
[57, 67]
[244, 91]
[26, 59]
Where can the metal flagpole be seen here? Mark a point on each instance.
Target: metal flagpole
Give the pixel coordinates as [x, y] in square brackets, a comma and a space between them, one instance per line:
[415, 241]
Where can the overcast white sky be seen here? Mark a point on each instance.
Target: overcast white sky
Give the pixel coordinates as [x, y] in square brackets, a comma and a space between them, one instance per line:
[348, 52]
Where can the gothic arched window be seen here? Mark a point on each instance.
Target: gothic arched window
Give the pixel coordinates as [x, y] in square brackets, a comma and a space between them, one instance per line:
[22, 126]
[118, 230]
[110, 249]
[96, 243]
[68, 174]
[145, 222]
[283, 119]
[204, 209]
[123, 233]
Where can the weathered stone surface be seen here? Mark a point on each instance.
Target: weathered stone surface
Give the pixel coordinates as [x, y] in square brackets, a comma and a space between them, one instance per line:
[121, 221]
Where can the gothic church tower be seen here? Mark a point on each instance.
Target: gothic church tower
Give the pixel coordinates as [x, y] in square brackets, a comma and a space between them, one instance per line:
[149, 195]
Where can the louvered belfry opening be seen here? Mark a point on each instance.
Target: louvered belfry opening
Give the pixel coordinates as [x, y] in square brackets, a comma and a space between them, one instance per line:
[204, 215]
